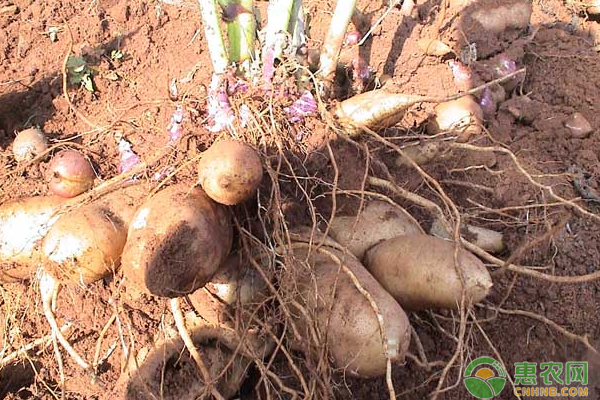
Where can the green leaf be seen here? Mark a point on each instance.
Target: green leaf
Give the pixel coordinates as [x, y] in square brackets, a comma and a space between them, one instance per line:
[75, 62]
[87, 83]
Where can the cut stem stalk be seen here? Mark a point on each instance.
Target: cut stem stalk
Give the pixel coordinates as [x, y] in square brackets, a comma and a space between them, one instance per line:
[241, 31]
[334, 39]
[214, 39]
[278, 17]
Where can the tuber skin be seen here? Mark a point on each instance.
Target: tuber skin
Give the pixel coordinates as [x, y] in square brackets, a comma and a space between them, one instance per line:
[377, 222]
[462, 116]
[176, 241]
[69, 174]
[375, 109]
[29, 144]
[489, 240]
[420, 153]
[230, 172]
[515, 15]
[352, 329]
[420, 272]
[84, 245]
[23, 224]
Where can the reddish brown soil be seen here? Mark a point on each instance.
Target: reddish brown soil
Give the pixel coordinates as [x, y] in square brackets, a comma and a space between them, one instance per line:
[156, 39]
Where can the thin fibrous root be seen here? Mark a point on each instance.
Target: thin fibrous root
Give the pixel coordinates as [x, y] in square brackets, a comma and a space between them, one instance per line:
[22, 352]
[496, 149]
[372, 302]
[584, 339]
[436, 210]
[49, 288]
[191, 347]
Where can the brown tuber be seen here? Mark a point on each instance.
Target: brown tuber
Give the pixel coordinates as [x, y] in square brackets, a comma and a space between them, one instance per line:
[230, 171]
[28, 144]
[176, 241]
[70, 173]
[489, 240]
[346, 317]
[377, 222]
[420, 272]
[462, 116]
[84, 245]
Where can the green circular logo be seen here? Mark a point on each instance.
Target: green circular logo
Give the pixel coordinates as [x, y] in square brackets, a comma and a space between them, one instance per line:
[482, 381]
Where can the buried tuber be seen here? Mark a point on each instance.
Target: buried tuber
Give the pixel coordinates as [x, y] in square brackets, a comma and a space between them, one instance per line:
[70, 173]
[462, 116]
[164, 364]
[221, 343]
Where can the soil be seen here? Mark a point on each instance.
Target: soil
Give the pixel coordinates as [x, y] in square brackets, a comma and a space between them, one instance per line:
[158, 41]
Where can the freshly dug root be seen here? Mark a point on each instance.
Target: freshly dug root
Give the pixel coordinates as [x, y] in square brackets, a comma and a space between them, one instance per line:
[23, 224]
[375, 109]
[28, 144]
[378, 221]
[462, 116]
[498, 18]
[70, 173]
[489, 240]
[421, 153]
[168, 372]
[235, 283]
[84, 245]
[420, 272]
[230, 171]
[333, 295]
[227, 303]
[176, 242]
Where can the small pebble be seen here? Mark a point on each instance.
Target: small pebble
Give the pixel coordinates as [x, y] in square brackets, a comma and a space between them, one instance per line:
[579, 126]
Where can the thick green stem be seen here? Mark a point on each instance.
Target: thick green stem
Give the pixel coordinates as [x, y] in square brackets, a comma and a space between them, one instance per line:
[214, 39]
[297, 25]
[241, 31]
[334, 39]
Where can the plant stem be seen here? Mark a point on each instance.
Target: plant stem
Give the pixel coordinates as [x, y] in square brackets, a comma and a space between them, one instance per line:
[241, 30]
[278, 17]
[214, 39]
[334, 39]
[296, 27]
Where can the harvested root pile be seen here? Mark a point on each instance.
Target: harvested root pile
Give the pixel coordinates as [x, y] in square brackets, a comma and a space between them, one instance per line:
[267, 272]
